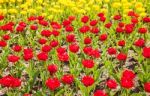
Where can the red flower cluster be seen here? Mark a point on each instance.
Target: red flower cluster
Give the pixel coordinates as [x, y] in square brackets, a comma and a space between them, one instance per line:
[68, 79]
[112, 84]
[10, 81]
[87, 81]
[100, 93]
[146, 52]
[52, 83]
[127, 79]
[147, 87]
[88, 63]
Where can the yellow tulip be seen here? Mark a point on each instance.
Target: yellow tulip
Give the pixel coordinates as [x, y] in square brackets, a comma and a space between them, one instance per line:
[44, 4]
[116, 5]
[125, 16]
[23, 12]
[6, 1]
[32, 11]
[143, 14]
[138, 5]
[140, 9]
[91, 2]
[124, 1]
[87, 8]
[12, 1]
[60, 11]
[39, 1]
[19, 1]
[39, 8]
[82, 11]
[12, 11]
[126, 11]
[103, 10]
[56, 6]
[1, 12]
[96, 7]
[1, 1]
[106, 1]
[50, 17]
[44, 14]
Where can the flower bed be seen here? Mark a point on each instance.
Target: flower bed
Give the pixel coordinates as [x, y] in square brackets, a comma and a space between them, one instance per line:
[74, 48]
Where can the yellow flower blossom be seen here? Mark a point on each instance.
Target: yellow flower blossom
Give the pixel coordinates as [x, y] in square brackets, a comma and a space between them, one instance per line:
[1, 1]
[32, 11]
[39, 7]
[12, 1]
[12, 11]
[91, 2]
[44, 14]
[87, 8]
[106, 1]
[124, 1]
[140, 9]
[125, 11]
[104, 10]
[23, 12]
[116, 5]
[19, 1]
[82, 11]
[138, 5]
[39, 1]
[50, 17]
[143, 14]
[96, 7]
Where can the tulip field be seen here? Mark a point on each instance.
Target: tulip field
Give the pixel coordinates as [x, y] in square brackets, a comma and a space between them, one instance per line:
[74, 47]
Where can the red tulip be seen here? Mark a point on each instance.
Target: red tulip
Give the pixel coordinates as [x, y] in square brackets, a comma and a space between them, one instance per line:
[87, 40]
[33, 27]
[10, 81]
[46, 33]
[74, 48]
[93, 22]
[87, 81]
[121, 43]
[117, 17]
[121, 56]
[6, 37]
[46, 48]
[42, 56]
[85, 19]
[17, 48]
[147, 87]
[111, 51]
[88, 63]
[63, 57]
[139, 43]
[52, 68]
[103, 37]
[112, 84]
[69, 28]
[126, 83]
[3, 43]
[43, 22]
[146, 52]
[42, 41]
[54, 43]
[70, 38]
[52, 83]
[128, 74]
[13, 58]
[142, 30]
[66, 23]
[100, 93]
[67, 79]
